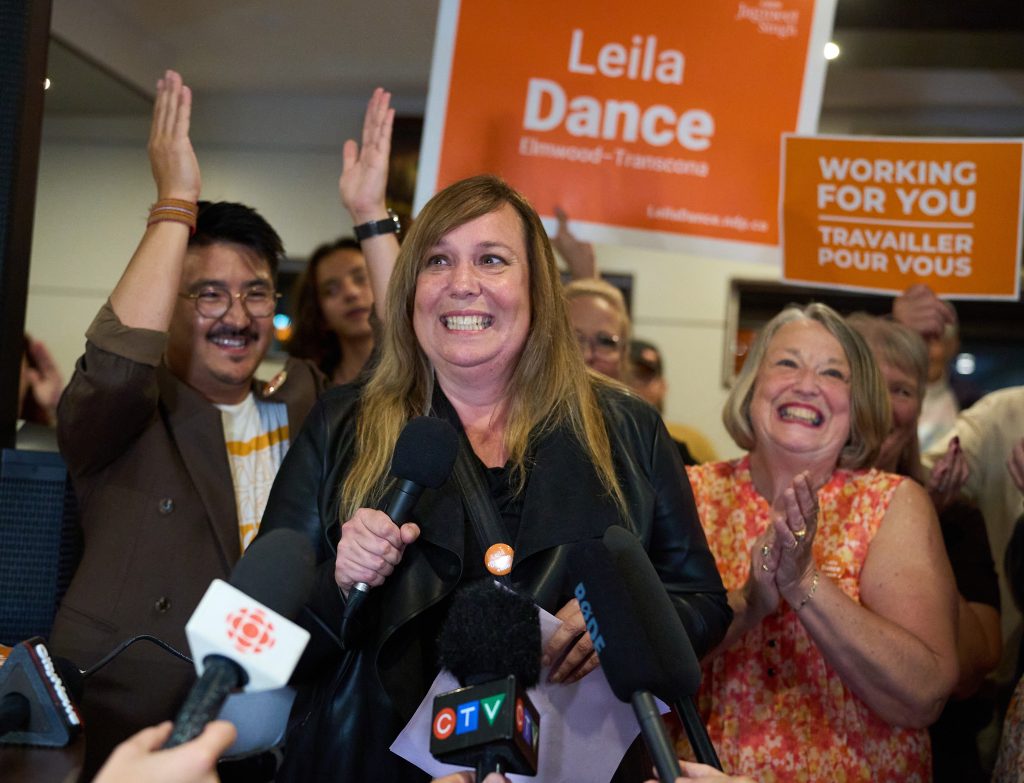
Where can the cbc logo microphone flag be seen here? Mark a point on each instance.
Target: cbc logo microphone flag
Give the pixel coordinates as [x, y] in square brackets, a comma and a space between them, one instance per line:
[250, 630]
[228, 622]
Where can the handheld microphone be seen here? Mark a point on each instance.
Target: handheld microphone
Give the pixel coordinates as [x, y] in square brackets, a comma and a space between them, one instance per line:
[424, 455]
[37, 697]
[668, 637]
[240, 633]
[639, 638]
[491, 642]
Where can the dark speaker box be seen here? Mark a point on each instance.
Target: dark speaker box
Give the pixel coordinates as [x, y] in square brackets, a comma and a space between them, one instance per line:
[40, 541]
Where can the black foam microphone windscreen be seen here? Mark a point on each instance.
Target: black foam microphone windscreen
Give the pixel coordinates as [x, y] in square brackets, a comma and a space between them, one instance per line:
[425, 452]
[620, 639]
[490, 632]
[277, 570]
[655, 613]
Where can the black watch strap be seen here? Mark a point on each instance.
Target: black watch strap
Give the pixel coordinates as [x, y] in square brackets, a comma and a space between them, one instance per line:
[390, 225]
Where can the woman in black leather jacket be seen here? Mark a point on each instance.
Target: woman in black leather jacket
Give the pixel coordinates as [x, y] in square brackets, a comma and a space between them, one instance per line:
[477, 333]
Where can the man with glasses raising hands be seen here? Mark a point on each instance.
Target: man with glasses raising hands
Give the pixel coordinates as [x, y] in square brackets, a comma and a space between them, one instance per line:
[171, 443]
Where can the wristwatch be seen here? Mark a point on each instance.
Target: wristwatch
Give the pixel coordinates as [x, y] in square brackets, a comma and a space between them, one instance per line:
[390, 225]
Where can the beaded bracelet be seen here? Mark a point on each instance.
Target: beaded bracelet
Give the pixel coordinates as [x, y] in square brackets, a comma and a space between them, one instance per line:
[176, 211]
[810, 593]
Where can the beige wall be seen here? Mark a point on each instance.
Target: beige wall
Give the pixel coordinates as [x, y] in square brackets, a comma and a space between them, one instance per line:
[93, 199]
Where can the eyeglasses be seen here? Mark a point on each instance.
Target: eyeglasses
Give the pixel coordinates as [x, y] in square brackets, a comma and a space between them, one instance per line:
[602, 343]
[213, 301]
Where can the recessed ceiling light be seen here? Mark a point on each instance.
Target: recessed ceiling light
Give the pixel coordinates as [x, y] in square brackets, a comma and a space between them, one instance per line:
[46, 83]
[831, 50]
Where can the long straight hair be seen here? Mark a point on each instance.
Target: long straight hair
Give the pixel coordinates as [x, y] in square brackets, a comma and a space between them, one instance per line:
[550, 386]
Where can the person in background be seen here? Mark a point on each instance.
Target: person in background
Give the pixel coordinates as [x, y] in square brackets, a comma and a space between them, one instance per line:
[1009, 766]
[903, 360]
[946, 394]
[603, 329]
[331, 324]
[647, 378]
[171, 442]
[39, 384]
[597, 311]
[842, 647]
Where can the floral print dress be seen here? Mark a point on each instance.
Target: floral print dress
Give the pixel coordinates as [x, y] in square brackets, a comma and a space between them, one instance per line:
[775, 709]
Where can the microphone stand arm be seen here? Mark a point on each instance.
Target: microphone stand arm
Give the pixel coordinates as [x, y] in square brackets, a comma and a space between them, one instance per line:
[696, 732]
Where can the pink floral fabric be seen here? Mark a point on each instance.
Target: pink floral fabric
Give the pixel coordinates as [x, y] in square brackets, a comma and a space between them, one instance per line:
[775, 709]
[1010, 764]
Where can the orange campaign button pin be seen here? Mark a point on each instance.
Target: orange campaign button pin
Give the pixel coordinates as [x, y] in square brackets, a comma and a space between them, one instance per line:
[498, 559]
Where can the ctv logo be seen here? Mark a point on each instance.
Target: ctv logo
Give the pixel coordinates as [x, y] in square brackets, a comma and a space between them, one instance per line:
[465, 718]
[250, 630]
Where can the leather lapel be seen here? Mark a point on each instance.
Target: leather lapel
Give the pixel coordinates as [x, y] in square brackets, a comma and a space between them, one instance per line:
[195, 426]
[441, 518]
[565, 500]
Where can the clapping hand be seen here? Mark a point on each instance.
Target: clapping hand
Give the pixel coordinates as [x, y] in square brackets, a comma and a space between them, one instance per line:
[795, 528]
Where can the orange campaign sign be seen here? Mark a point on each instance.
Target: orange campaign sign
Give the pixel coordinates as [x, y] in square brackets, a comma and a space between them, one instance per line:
[885, 213]
[653, 123]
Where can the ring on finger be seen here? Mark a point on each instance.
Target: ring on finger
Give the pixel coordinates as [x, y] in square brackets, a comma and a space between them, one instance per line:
[766, 550]
[796, 543]
[764, 566]
[800, 535]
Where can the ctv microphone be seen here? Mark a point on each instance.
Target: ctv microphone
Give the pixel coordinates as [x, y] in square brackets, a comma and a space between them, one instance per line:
[424, 455]
[491, 642]
[638, 636]
[37, 697]
[240, 633]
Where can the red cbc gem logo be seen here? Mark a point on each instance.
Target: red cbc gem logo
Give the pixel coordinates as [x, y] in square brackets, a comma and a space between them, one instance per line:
[250, 630]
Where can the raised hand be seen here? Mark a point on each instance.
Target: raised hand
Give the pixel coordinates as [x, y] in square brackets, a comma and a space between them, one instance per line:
[171, 157]
[578, 255]
[948, 476]
[364, 173]
[921, 310]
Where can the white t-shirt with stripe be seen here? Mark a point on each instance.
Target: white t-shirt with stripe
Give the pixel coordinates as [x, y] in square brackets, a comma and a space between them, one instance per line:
[256, 437]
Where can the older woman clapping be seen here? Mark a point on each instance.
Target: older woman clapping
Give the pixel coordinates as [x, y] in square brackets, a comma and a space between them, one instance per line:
[842, 647]
[476, 332]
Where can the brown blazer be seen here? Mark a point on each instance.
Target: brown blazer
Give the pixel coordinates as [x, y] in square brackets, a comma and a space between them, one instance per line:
[146, 454]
